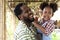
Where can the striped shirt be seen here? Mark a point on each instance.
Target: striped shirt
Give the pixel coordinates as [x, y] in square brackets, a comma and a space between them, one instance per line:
[24, 33]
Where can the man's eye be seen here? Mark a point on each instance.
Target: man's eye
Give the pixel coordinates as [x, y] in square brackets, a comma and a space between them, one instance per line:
[26, 11]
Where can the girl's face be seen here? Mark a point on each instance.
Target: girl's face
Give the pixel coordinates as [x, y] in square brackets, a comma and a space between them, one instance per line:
[47, 13]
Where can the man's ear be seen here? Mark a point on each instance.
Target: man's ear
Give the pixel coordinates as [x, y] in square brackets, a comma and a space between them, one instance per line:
[20, 17]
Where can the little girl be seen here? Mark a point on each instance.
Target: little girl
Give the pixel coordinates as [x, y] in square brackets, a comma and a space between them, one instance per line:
[46, 25]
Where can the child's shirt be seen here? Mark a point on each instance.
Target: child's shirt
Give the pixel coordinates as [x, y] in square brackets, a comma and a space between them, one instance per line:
[49, 27]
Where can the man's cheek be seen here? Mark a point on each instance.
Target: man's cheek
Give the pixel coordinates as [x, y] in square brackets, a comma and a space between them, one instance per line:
[32, 19]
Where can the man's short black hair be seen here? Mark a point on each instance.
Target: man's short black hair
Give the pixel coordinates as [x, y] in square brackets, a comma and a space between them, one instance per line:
[18, 10]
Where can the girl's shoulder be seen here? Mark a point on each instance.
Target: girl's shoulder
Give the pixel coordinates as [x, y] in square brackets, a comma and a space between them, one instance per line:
[51, 21]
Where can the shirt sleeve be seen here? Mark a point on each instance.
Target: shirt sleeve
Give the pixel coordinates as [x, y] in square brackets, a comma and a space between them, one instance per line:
[49, 28]
[23, 34]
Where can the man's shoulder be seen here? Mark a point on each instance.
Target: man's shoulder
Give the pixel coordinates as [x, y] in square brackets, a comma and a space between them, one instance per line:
[21, 26]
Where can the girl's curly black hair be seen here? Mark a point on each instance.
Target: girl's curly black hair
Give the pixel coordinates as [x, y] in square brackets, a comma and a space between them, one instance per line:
[51, 5]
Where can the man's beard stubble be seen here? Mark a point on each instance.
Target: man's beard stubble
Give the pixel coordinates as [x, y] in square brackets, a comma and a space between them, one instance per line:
[29, 20]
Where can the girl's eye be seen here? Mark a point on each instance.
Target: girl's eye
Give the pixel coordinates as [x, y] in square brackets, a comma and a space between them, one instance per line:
[45, 12]
[49, 12]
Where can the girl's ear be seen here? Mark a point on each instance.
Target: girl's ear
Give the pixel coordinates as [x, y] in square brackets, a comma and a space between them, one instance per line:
[52, 14]
[41, 12]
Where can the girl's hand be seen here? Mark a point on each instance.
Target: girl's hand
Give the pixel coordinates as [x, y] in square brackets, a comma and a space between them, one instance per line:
[35, 19]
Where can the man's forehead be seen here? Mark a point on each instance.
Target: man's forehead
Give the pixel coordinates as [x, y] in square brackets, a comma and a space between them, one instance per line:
[25, 7]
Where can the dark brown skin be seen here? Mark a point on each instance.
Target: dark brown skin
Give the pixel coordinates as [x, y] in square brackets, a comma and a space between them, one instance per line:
[27, 15]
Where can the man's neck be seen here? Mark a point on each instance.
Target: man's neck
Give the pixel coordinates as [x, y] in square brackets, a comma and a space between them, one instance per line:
[27, 23]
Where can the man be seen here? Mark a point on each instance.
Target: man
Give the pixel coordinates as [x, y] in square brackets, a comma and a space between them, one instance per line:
[24, 30]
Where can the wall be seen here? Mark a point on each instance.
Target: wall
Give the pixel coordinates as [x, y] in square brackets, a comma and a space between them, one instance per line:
[1, 20]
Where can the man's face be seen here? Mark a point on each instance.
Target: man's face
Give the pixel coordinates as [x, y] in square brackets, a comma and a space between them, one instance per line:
[47, 13]
[27, 14]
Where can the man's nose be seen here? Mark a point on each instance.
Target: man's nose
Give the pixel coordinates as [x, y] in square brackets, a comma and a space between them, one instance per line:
[31, 13]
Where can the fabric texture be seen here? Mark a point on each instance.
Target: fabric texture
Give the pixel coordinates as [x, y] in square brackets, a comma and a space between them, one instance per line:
[49, 27]
[24, 33]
